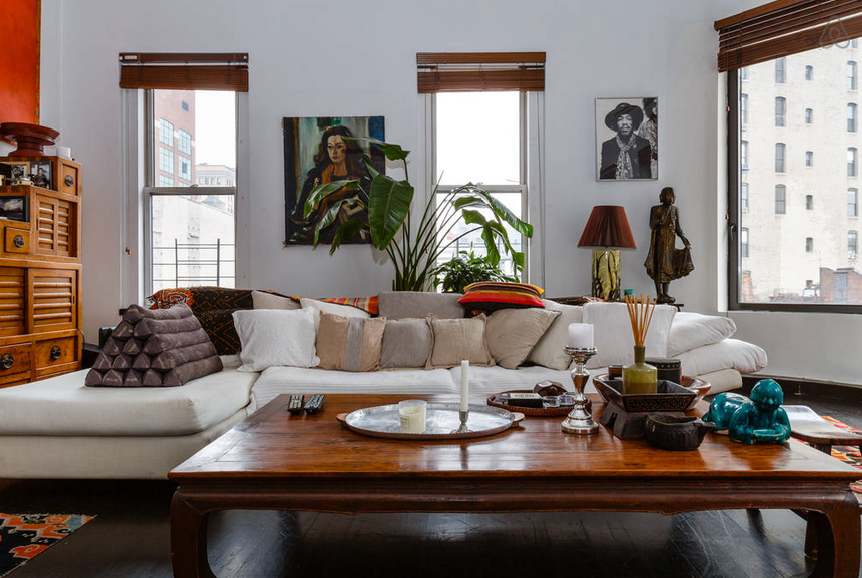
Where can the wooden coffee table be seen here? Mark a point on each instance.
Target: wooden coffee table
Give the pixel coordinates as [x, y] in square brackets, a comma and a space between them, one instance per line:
[275, 461]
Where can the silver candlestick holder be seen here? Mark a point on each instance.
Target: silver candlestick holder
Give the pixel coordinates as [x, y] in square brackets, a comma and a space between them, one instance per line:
[462, 417]
[579, 420]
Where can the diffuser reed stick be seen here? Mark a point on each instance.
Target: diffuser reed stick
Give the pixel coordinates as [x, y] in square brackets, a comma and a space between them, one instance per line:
[640, 315]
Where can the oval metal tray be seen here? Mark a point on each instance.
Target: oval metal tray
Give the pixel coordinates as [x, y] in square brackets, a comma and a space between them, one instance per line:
[441, 422]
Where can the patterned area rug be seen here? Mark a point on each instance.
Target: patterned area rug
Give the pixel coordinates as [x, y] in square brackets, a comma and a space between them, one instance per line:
[23, 536]
[849, 454]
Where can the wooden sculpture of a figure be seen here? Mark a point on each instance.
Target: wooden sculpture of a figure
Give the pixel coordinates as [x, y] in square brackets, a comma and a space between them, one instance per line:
[665, 262]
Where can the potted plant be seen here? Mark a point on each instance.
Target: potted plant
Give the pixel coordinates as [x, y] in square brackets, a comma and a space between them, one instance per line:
[466, 268]
[414, 249]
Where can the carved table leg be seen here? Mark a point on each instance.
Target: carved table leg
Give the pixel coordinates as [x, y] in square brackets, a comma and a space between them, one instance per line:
[836, 536]
[188, 540]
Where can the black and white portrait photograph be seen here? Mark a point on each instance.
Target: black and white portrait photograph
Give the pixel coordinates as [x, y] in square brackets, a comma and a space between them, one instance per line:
[627, 138]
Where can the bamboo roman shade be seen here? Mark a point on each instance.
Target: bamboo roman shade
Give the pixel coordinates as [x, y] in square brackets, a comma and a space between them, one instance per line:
[464, 71]
[785, 27]
[184, 71]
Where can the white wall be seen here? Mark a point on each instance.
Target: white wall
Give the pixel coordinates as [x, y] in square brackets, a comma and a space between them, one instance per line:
[351, 58]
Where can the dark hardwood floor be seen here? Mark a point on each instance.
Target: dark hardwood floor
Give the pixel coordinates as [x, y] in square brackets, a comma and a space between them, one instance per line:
[130, 537]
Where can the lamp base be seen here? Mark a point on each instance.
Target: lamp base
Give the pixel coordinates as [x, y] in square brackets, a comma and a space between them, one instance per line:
[606, 274]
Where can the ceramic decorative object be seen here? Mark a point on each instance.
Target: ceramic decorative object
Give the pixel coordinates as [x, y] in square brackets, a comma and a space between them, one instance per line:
[677, 433]
[30, 138]
[640, 377]
[760, 419]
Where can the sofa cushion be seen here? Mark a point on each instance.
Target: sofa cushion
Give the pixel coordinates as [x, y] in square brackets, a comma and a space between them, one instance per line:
[493, 295]
[406, 343]
[276, 337]
[64, 406]
[349, 344]
[278, 380]
[317, 306]
[613, 333]
[726, 354]
[266, 300]
[692, 330]
[455, 340]
[487, 380]
[419, 304]
[202, 299]
[219, 326]
[549, 351]
[512, 334]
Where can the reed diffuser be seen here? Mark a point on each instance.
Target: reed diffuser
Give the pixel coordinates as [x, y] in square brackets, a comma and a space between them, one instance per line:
[640, 377]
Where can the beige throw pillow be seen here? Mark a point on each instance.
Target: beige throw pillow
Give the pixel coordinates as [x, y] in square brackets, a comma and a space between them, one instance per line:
[457, 339]
[406, 343]
[512, 334]
[349, 343]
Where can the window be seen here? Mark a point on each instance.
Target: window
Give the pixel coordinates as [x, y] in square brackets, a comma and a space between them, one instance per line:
[165, 181]
[851, 75]
[166, 160]
[809, 202]
[851, 162]
[743, 243]
[185, 168]
[166, 132]
[779, 157]
[780, 76]
[809, 245]
[851, 245]
[854, 43]
[809, 72]
[780, 199]
[780, 106]
[185, 105]
[743, 109]
[851, 117]
[743, 155]
[743, 197]
[185, 144]
[852, 203]
[743, 73]
[809, 115]
[809, 159]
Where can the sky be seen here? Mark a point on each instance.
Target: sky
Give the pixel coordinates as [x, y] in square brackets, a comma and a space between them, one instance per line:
[215, 127]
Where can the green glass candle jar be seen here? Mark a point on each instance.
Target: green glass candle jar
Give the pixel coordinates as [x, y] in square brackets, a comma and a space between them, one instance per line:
[640, 377]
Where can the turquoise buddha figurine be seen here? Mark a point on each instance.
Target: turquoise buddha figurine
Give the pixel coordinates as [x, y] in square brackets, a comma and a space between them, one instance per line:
[758, 420]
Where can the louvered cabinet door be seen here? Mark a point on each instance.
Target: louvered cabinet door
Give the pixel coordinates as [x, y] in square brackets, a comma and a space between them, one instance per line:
[53, 299]
[55, 220]
[12, 300]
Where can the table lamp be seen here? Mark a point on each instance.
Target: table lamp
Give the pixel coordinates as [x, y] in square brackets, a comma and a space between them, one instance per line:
[607, 230]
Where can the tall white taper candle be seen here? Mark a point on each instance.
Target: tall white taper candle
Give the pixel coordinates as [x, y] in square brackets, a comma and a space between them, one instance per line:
[465, 384]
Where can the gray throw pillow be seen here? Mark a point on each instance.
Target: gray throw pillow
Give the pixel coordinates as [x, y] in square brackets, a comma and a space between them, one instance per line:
[406, 343]
[419, 304]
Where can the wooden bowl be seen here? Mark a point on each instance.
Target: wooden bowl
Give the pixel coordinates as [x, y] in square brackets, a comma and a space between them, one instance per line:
[700, 386]
[30, 138]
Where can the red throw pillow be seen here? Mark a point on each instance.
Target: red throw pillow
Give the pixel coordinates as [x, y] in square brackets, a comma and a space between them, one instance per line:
[493, 295]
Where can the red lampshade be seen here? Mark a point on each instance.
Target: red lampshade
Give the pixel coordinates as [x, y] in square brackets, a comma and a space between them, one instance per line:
[608, 228]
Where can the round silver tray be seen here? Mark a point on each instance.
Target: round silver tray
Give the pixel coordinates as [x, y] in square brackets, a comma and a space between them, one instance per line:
[441, 422]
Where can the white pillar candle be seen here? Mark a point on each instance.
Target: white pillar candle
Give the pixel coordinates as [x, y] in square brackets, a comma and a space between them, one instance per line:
[581, 335]
[465, 384]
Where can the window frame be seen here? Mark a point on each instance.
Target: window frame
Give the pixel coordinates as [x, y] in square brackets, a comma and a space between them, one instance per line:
[150, 190]
[782, 158]
[852, 116]
[781, 111]
[855, 203]
[783, 200]
[734, 259]
[852, 72]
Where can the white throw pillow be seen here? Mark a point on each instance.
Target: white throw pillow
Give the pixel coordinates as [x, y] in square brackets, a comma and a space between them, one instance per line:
[742, 356]
[692, 330]
[272, 337]
[343, 310]
[549, 350]
[263, 300]
[613, 336]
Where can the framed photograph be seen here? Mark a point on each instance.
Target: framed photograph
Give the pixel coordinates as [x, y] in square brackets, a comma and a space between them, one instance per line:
[40, 174]
[15, 208]
[15, 172]
[317, 151]
[626, 138]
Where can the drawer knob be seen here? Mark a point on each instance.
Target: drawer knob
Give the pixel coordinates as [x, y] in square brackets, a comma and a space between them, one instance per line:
[69, 181]
[7, 361]
[18, 241]
[56, 353]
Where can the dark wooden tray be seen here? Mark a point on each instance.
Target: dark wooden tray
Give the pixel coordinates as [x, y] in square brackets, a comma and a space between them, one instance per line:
[533, 411]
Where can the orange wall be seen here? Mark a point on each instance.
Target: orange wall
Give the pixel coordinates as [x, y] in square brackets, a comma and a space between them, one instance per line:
[20, 22]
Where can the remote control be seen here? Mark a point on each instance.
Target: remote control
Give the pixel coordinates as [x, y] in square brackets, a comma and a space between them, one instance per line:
[314, 405]
[294, 406]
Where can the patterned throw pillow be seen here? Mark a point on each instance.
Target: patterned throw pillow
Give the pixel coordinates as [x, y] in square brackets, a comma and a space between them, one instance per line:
[349, 343]
[493, 295]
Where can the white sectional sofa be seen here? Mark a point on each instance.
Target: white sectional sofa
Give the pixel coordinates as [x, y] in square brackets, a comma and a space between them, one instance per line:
[58, 428]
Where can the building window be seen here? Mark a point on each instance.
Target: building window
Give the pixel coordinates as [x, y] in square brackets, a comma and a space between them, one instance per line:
[185, 168]
[779, 157]
[780, 199]
[809, 202]
[809, 72]
[743, 197]
[185, 142]
[851, 162]
[851, 75]
[743, 155]
[851, 245]
[185, 105]
[743, 109]
[166, 160]
[852, 203]
[743, 243]
[851, 117]
[743, 73]
[854, 43]
[809, 115]
[780, 106]
[780, 75]
[809, 159]
[809, 245]
[166, 132]
[165, 181]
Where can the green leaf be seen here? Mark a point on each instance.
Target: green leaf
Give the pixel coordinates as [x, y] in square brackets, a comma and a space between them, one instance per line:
[388, 205]
[492, 253]
[486, 200]
[370, 166]
[322, 191]
[393, 152]
[331, 215]
[346, 231]
[473, 217]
